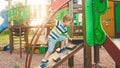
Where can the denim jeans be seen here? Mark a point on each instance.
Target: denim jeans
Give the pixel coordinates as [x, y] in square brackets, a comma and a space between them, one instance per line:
[52, 42]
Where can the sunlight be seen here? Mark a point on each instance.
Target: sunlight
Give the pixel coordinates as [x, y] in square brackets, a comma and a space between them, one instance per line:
[39, 9]
[3, 4]
[36, 22]
[37, 2]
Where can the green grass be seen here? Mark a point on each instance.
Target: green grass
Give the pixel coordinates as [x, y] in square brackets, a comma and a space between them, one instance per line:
[4, 39]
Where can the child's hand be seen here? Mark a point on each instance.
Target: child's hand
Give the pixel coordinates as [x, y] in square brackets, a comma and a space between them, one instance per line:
[70, 39]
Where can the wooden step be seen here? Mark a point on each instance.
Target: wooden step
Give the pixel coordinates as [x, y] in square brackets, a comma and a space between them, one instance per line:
[19, 40]
[62, 57]
[18, 37]
[19, 43]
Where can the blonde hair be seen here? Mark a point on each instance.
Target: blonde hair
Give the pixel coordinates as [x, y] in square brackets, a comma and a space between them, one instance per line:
[67, 17]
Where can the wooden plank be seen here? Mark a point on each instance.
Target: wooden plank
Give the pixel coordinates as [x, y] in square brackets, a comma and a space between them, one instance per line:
[78, 34]
[71, 13]
[71, 62]
[77, 6]
[77, 11]
[113, 50]
[64, 56]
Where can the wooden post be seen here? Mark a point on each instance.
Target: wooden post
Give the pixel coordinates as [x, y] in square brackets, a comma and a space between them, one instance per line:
[96, 54]
[71, 59]
[10, 29]
[11, 39]
[71, 13]
[71, 62]
[20, 33]
[87, 56]
[87, 49]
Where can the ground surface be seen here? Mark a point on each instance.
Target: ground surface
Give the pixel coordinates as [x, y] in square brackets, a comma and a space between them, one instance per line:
[9, 61]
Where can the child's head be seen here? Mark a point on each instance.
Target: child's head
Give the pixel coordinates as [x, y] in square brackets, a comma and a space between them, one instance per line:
[67, 19]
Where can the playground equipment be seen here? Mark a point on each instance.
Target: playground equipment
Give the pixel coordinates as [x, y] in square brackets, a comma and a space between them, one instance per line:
[92, 31]
[4, 24]
[3, 20]
[18, 16]
[95, 34]
[57, 58]
[108, 20]
[113, 50]
[105, 40]
[117, 16]
[70, 56]
[38, 32]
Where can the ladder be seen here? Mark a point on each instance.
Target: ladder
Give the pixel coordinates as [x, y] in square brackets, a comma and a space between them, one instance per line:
[18, 38]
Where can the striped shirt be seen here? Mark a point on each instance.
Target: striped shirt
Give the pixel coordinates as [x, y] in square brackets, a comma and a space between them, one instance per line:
[58, 30]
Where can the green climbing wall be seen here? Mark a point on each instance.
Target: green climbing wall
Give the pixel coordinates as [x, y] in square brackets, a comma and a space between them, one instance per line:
[117, 16]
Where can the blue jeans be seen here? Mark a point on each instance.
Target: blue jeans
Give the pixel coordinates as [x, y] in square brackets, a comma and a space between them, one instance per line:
[52, 42]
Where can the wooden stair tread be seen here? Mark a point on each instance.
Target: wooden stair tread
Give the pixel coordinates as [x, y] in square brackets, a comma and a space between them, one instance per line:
[63, 56]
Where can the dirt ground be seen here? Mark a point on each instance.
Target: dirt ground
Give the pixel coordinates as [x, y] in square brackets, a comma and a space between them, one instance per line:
[9, 61]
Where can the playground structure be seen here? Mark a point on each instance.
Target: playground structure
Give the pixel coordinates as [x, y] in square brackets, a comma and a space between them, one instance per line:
[20, 17]
[110, 21]
[3, 20]
[108, 45]
[87, 49]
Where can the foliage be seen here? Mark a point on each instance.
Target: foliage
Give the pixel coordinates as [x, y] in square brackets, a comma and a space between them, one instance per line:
[4, 37]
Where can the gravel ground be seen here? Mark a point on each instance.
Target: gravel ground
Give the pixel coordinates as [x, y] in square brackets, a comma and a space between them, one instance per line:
[9, 61]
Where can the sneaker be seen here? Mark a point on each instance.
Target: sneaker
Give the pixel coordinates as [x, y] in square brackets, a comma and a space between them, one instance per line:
[63, 49]
[43, 64]
[59, 50]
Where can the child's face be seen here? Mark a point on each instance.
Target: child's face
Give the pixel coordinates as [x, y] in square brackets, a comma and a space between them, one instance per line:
[68, 23]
